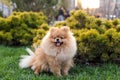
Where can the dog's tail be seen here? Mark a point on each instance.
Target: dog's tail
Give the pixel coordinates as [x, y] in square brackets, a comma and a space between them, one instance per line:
[26, 59]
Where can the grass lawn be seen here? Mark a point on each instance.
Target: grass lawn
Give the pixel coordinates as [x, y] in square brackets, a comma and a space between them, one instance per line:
[9, 69]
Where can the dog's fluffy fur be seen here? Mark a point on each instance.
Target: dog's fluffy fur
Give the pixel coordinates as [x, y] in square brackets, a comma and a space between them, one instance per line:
[55, 53]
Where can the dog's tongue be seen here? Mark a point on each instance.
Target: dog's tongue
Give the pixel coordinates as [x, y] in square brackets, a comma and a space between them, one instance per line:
[58, 44]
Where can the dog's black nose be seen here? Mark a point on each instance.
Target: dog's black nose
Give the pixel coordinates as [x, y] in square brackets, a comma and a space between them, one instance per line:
[57, 40]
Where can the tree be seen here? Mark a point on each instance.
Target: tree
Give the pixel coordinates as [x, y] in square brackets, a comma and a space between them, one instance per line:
[46, 6]
[67, 4]
[6, 2]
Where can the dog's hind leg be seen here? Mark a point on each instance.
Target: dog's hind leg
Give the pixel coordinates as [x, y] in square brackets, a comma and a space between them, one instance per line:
[37, 70]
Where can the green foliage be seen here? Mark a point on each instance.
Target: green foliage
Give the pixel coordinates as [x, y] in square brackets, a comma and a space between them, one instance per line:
[118, 28]
[1, 13]
[34, 5]
[105, 57]
[18, 29]
[78, 19]
[44, 27]
[72, 23]
[59, 24]
[48, 7]
[113, 43]
[90, 22]
[116, 22]
[39, 34]
[98, 21]
[93, 46]
[108, 24]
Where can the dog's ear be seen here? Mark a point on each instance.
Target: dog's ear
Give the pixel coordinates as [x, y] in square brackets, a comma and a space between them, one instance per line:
[65, 28]
[52, 29]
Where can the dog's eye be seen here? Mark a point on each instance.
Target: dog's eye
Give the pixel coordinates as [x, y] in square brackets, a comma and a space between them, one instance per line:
[62, 37]
[54, 37]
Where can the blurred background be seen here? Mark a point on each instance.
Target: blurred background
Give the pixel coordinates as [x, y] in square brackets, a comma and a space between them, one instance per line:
[109, 9]
[95, 24]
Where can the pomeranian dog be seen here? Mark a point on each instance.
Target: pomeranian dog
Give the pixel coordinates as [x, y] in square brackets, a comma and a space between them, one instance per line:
[55, 53]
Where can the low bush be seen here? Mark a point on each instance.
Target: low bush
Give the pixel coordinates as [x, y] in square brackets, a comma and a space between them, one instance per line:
[39, 34]
[116, 22]
[93, 46]
[18, 29]
[118, 28]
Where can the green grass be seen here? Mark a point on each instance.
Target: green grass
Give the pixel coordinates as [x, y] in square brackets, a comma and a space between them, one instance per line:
[9, 69]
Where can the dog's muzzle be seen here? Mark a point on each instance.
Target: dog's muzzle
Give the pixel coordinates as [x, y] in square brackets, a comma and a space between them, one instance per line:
[58, 42]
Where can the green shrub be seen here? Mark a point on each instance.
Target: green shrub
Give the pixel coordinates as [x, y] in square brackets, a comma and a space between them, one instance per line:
[60, 23]
[105, 57]
[90, 22]
[4, 24]
[39, 34]
[18, 29]
[77, 20]
[116, 43]
[108, 24]
[118, 28]
[98, 22]
[116, 22]
[113, 43]
[91, 45]
[44, 27]
[5, 37]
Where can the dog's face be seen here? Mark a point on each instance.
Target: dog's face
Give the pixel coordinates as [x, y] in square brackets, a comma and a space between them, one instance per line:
[59, 36]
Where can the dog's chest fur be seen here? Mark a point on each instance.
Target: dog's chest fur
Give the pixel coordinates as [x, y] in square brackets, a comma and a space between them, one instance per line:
[61, 54]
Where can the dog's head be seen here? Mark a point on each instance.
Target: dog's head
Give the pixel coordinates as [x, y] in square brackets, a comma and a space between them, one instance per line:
[59, 36]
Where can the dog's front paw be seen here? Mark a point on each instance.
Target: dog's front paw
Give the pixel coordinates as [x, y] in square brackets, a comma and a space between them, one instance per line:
[36, 73]
[58, 75]
[64, 72]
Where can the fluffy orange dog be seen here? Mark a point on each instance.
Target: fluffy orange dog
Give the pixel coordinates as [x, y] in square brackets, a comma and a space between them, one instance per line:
[55, 53]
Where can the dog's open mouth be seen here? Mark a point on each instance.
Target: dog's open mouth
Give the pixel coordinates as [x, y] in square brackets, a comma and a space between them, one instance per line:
[58, 43]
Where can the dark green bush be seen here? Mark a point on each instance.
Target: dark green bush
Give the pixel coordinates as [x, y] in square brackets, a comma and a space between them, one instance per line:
[116, 22]
[98, 22]
[108, 24]
[39, 34]
[77, 20]
[118, 28]
[113, 43]
[91, 45]
[18, 29]
[60, 23]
